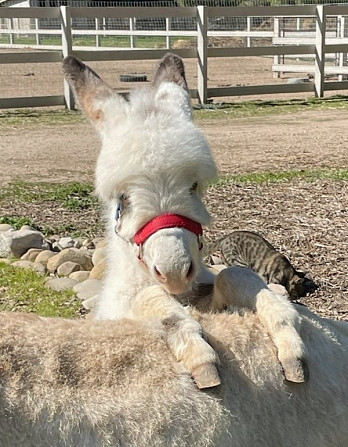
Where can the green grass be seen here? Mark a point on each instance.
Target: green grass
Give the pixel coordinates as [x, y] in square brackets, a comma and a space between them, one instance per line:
[265, 108]
[283, 176]
[18, 222]
[73, 196]
[48, 230]
[5, 39]
[89, 40]
[77, 198]
[29, 117]
[115, 41]
[25, 290]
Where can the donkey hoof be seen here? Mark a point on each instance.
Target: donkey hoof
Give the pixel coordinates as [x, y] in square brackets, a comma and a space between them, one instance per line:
[295, 370]
[206, 376]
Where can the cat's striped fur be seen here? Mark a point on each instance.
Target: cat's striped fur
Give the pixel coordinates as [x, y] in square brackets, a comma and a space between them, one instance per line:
[249, 249]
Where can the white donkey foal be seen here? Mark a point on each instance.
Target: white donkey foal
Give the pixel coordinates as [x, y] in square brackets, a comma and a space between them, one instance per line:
[151, 172]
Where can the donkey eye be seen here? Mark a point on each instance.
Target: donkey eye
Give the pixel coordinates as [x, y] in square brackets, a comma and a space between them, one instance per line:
[124, 200]
[122, 203]
[194, 187]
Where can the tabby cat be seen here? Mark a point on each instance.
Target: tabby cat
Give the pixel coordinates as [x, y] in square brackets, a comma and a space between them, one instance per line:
[251, 250]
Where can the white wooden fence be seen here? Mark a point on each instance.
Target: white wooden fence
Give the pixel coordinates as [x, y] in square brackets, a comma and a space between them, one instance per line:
[283, 34]
[202, 53]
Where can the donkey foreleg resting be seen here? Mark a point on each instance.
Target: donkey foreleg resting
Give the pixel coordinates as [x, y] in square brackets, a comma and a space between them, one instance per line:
[241, 287]
[183, 334]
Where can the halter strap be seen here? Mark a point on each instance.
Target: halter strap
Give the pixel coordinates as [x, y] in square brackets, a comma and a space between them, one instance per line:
[168, 221]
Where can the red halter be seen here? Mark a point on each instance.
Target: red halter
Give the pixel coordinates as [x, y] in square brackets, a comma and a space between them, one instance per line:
[168, 221]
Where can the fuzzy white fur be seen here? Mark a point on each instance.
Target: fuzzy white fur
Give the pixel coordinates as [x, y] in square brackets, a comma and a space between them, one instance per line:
[152, 157]
[102, 383]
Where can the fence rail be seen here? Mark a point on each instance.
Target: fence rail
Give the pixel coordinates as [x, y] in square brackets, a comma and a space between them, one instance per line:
[317, 45]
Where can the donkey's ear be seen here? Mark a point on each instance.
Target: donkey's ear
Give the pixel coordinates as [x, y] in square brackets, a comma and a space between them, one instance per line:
[171, 70]
[89, 89]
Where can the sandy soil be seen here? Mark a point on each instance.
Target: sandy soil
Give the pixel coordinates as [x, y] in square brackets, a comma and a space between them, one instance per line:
[311, 139]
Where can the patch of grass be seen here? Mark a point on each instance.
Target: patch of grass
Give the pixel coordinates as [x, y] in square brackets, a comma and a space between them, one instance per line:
[25, 291]
[31, 117]
[73, 196]
[115, 41]
[52, 208]
[282, 176]
[264, 108]
[59, 228]
[18, 222]
[88, 40]
[5, 39]
[150, 42]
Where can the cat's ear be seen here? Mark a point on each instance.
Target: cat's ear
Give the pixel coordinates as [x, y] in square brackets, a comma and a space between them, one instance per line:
[297, 286]
[170, 83]
[91, 92]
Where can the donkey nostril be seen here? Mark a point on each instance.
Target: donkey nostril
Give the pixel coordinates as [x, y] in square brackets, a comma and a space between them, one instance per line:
[158, 274]
[190, 271]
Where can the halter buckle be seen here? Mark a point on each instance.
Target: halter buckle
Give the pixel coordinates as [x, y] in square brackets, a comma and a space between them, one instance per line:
[200, 241]
[140, 252]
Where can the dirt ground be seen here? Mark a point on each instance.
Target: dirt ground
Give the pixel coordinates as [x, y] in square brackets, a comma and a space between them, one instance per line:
[311, 139]
[308, 221]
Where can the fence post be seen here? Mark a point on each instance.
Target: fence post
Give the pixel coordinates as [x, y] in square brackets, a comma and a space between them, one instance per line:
[97, 36]
[276, 33]
[11, 30]
[320, 32]
[248, 29]
[168, 28]
[202, 44]
[67, 51]
[131, 29]
[342, 57]
[37, 31]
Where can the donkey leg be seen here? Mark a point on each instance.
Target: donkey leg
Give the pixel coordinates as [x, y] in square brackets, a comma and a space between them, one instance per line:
[183, 333]
[241, 287]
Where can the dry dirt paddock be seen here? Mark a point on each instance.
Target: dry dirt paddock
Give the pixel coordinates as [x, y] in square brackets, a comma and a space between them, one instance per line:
[308, 221]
